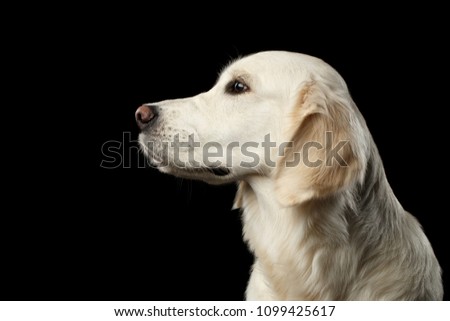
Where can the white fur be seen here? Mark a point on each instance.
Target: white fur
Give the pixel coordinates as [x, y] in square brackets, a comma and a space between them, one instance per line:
[318, 233]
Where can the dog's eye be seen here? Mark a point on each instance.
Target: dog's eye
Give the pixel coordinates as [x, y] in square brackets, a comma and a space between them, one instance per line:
[237, 87]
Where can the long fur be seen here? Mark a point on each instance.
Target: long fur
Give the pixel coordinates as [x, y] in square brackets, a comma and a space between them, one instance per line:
[330, 232]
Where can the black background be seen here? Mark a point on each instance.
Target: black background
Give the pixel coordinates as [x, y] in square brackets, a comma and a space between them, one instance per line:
[76, 231]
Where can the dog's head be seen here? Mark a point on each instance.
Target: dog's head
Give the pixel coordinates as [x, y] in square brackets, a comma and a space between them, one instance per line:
[279, 114]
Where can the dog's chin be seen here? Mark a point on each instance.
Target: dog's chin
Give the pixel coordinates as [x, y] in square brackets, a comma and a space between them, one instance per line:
[210, 175]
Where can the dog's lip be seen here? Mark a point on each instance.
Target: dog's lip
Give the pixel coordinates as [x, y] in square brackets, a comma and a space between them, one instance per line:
[216, 171]
[219, 171]
[158, 162]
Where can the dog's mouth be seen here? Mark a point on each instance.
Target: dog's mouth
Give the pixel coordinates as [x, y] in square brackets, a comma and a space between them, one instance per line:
[191, 172]
[216, 171]
[219, 171]
[211, 175]
[186, 170]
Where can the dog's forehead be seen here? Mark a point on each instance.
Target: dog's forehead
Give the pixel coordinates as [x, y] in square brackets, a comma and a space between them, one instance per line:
[261, 62]
[272, 64]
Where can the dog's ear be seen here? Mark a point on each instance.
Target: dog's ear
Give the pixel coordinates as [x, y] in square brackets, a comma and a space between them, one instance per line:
[322, 155]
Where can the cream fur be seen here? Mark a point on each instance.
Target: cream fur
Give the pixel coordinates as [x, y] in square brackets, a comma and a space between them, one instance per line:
[318, 233]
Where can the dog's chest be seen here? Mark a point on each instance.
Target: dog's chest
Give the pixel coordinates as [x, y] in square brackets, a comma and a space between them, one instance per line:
[276, 237]
[271, 231]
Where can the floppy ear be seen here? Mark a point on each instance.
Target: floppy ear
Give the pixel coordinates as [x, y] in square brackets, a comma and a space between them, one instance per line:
[322, 158]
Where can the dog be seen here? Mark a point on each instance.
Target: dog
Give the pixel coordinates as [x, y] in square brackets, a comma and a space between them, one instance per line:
[317, 210]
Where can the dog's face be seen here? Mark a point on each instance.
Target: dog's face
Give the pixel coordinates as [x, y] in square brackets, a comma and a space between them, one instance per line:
[220, 133]
[242, 125]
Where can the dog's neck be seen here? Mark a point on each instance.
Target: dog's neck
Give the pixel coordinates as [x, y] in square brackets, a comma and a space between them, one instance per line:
[287, 240]
[284, 240]
[263, 189]
[259, 203]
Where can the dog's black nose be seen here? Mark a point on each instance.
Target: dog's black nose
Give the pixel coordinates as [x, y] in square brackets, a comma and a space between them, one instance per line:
[145, 114]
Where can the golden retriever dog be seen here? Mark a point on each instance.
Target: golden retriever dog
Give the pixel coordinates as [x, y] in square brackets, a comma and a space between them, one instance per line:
[318, 212]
